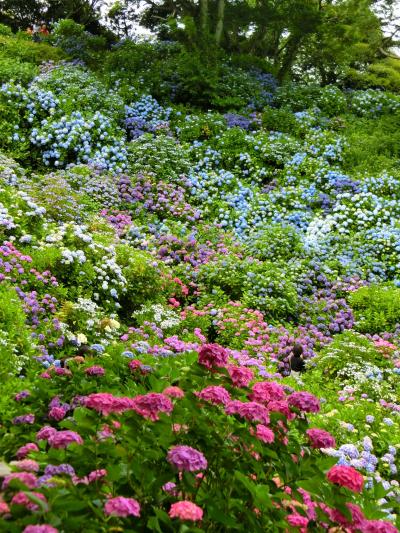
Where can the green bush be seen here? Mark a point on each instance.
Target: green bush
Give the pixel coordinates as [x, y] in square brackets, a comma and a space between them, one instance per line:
[376, 308]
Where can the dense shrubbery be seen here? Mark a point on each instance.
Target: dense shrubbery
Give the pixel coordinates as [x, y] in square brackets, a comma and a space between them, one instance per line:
[159, 262]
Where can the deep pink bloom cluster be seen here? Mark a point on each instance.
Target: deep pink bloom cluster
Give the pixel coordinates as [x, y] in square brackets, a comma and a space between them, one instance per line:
[266, 391]
[45, 432]
[346, 476]
[106, 403]
[297, 520]
[186, 510]
[265, 434]
[304, 401]
[214, 394]
[320, 438]
[377, 526]
[57, 413]
[96, 475]
[281, 406]
[95, 371]
[174, 392]
[152, 404]
[26, 450]
[185, 458]
[27, 478]
[121, 506]
[43, 528]
[4, 508]
[62, 439]
[213, 355]
[21, 498]
[240, 376]
[252, 411]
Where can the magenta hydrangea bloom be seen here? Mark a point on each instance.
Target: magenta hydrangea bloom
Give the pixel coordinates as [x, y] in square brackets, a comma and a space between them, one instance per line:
[24, 419]
[106, 403]
[21, 498]
[57, 413]
[152, 404]
[26, 450]
[174, 392]
[296, 520]
[240, 376]
[95, 475]
[27, 478]
[62, 439]
[281, 406]
[304, 401]
[215, 394]
[28, 465]
[43, 528]
[378, 526]
[45, 432]
[252, 411]
[265, 434]
[186, 510]
[320, 438]
[121, 506]
[95, 371]
[213, 355]
[346, 476]
[266, 391]
[185, 458]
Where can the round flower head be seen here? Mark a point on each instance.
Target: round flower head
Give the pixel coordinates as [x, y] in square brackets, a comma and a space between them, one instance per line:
[62, 439]
[26, 450]
[296, 520]
[43, 528]
[320, 438]
[240, 376]
[28, 465]
[252, 411]
[152, 404]
[378, 526]
[186, 510]
[185, 458]
[304, 401]
[174, 392]
[106, 403]
[27, 478]
[4, 508]
[213, 355]
[346, 476]
[95, 371]
[266, 391]
[214, 394]
[264, 434]
[121, 506]
[45, 433]
[21, 498]
[57, 413]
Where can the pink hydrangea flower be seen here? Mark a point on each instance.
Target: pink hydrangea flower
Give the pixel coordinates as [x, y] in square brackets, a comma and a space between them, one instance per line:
[57, 413]
[170, 487]
[296, 520]
[215, 394]
[95, 371]
[45, 432]
[304, 401]
[187, 458]
[240, 376]
[320, 438]
[281, 406]
[265, 434]
[21, 498]
[266, 391]
[29, 465]
[152, 404]
[174, 392]
[121, 506]
[346, 476]
[106, 403]
[43, 528]
[378, 526]
[213, 355]
[4, 508]
[252, 411]
[27, 478]
[26, 450]
[97, 474]
[62, 439]
[186, 510]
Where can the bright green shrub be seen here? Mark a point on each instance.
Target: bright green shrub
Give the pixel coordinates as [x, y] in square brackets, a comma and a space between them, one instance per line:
[376, 308]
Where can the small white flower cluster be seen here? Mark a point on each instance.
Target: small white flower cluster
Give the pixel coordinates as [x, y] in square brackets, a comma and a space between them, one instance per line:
[70, 256]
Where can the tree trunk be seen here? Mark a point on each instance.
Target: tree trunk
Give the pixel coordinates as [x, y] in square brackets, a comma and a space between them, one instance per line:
[292, 48]
[219, 28]
[203, 17]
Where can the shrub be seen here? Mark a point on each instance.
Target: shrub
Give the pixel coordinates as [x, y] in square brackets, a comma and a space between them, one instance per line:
[376, 308]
